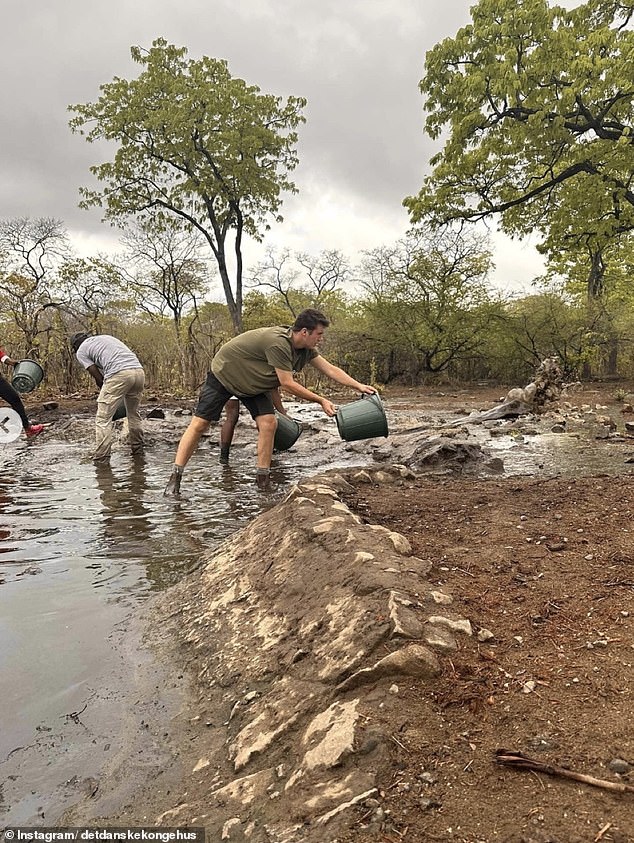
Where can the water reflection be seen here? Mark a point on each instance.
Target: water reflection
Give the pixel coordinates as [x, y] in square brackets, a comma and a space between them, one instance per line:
[125, 518]
[5, 529]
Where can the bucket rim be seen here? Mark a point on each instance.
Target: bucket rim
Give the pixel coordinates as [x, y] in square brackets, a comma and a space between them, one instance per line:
[29, 360]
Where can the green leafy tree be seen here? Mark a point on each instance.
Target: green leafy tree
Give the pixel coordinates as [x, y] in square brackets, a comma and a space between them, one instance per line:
[550, 322]
[194, 142]
[427, 297]
[601, 281]
[536, 104]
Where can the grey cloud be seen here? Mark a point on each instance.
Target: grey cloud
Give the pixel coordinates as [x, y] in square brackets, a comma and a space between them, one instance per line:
[358, 63]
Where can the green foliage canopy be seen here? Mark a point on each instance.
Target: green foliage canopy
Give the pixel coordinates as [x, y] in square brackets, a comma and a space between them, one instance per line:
[536, 103]
[428, 295]
[194, 142]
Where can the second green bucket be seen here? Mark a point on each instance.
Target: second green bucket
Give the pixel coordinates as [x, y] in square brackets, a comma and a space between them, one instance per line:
[362, 419]
[27, 374]
[287, 433]
[120, 412]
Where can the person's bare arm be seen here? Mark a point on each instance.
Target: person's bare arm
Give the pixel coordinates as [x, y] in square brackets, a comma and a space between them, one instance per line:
[338, 375]
[288, 383]
[276, 398]
[96, 375]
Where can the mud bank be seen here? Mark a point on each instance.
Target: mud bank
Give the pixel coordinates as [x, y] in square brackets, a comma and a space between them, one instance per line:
[296, 632]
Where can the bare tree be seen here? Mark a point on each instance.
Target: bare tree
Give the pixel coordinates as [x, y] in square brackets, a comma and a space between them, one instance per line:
[168, 271]
[33, 250]
[326, 272]
[300, 279]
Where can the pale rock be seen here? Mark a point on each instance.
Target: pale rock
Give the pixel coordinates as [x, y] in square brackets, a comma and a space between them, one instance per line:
[401, 544]
[244, 790]
[226, 829]
[485, 635]
[439, 639]
[335, 730]
[327, 525]
[405, 624]
[361, 556]
[440, 598]
[253, 739]
[413, 660]
[461, 625]
[325, 818]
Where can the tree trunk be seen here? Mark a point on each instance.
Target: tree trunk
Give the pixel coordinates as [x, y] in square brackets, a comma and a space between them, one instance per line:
[613, 355]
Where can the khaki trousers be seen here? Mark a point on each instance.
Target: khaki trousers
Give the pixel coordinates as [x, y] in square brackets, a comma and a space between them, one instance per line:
[127, 384]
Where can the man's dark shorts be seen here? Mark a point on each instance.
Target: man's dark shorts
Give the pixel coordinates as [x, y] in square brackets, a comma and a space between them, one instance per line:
[214, 396]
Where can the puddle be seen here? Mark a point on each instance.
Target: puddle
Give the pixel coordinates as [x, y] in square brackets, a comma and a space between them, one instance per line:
[81, 550]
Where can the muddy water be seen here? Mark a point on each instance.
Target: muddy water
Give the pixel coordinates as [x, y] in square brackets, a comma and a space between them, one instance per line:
[81, 551]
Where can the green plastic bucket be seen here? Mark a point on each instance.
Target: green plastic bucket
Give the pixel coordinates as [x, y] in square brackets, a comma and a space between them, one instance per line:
[362, 419]
[120, 412]
[287, 433]
[27, 374]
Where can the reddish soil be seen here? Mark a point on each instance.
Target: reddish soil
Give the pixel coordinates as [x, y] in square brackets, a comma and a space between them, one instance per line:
[547, 565]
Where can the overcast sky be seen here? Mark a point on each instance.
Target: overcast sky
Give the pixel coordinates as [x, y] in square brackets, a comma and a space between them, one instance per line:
[358, 63]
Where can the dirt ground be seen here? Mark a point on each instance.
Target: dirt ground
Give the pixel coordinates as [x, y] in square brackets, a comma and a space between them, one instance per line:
[546, 565]
[543, 569]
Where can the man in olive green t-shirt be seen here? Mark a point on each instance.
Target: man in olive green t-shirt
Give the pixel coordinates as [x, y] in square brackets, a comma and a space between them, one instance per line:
[252, 367]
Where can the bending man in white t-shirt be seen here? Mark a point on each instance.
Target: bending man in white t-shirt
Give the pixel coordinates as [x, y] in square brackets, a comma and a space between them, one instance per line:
[118, 372]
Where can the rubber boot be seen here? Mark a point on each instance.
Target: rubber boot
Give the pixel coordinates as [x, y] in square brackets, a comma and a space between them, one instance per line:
[173, 487]
[224, 454]
[263, 479]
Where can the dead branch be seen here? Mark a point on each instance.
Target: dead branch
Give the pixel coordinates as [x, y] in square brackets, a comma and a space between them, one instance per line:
[508, 758]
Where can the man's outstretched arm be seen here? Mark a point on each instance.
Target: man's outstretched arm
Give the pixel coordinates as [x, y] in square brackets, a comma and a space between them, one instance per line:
[338, 375]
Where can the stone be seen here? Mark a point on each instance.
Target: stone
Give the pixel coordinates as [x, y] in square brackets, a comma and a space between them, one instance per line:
[485, 635]
[620, 766]
[439, 639]
[441, 598]
[460, 625]
[334, 729]
[494, 465]
[226, 829]
[325, 818]
[405, 624]
[413, 660]
[327, 525]
[155, 413]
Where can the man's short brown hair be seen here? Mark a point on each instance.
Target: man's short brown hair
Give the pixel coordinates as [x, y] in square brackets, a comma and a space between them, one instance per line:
[310, 319]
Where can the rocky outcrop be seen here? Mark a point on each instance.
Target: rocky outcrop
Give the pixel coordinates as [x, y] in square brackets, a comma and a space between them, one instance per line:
[299, 629]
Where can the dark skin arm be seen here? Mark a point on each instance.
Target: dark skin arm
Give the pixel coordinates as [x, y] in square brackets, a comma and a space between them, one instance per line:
[277, 401]
[95, 373]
